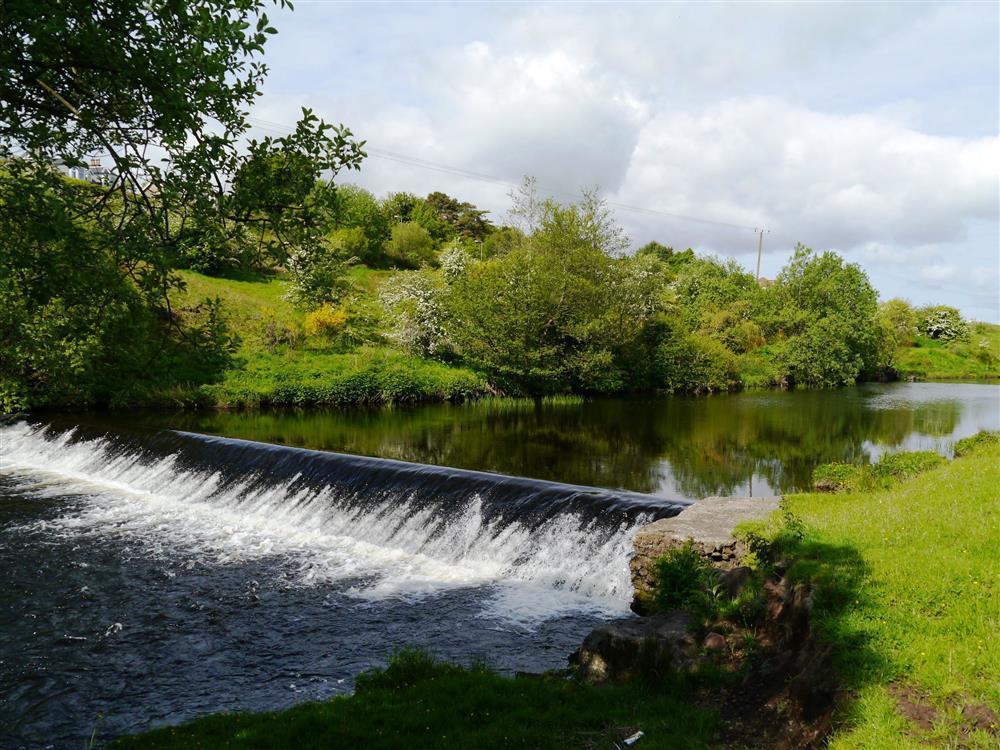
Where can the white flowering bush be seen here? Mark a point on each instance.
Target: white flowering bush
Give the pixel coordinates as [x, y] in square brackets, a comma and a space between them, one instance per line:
[414, 301]
[454, 260]
[318, 276]
[943, 323]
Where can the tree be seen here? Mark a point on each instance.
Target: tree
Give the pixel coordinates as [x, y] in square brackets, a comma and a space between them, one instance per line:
[357, 208]
[462, 219]
[827, 310]
[900, 321]
[551, 314]
[162, 90]
[671, 258]
[399, 207]
[410, 245]
[942, 322]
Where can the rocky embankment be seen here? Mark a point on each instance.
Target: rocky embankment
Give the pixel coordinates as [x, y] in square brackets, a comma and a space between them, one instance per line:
[783, 690]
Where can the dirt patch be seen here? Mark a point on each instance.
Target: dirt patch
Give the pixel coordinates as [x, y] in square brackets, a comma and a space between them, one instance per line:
[979, 716]
[972, 716]
[914, 706]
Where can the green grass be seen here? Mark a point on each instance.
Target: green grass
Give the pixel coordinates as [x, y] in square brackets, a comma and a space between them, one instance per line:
[976, 357]
[278, 365]
[249, 301]
[418, 703]
[920, 565]
[365, 376]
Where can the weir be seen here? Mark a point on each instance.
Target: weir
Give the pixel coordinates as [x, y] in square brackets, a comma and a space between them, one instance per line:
[392, 525]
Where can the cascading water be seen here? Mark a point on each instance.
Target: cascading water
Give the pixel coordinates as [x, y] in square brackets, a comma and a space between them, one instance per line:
[198, 557]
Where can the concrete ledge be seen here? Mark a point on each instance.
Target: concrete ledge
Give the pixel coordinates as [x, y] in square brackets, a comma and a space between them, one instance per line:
[708, 524]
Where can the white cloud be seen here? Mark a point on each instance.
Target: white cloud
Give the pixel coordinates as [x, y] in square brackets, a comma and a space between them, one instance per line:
[870, 129]
[840, 181]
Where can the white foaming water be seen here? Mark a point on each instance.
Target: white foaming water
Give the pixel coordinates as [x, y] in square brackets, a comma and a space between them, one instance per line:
[388, 547]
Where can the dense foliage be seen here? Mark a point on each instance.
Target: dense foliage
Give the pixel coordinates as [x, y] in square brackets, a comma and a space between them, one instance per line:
[563, 308]
[551, 302]
[87, 270]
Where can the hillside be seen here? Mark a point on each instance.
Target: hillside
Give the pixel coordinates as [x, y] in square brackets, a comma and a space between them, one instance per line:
[976, 357]
[281, 360]
[277, 363]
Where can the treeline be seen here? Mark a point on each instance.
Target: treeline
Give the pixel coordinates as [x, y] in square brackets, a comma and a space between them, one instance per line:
[554, 302]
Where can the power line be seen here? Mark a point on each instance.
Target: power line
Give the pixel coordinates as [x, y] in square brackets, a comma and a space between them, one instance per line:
[461, 172]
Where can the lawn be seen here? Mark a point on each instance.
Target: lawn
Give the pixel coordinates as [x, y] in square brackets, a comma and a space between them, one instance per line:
[924, 559]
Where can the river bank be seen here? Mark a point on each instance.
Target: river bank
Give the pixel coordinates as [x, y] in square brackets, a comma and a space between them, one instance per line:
[907, 600]
[282, 360]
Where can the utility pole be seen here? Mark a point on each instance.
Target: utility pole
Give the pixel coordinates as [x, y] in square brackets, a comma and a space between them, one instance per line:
[760, 250]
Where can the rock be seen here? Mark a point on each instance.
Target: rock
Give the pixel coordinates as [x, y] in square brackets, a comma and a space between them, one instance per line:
[637, 646]
[709, 524]
[714, 642]
[735, 580]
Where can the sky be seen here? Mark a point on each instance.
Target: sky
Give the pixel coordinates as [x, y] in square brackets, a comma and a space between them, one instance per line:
[869, 129]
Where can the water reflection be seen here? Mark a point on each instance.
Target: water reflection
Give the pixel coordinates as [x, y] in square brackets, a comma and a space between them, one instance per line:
[756, 443]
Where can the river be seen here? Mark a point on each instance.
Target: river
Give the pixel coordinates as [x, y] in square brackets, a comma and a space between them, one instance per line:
[151, 575]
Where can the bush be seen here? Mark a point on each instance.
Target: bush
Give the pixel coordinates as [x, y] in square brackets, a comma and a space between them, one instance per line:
[318, 274]
[683, 579]
[411, 245]
[942, 323]
[415, 302]
[968, 445]
[358, 213]
[695, 363]
[899, 319]
[325, 320]
[276, 334]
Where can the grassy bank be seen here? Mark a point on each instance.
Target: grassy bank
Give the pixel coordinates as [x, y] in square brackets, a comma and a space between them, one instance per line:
[417, 703]
[918, 642]
[277, 364]
[976, 357]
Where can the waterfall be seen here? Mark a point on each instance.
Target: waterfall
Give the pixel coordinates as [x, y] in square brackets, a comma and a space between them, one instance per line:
[382, 527]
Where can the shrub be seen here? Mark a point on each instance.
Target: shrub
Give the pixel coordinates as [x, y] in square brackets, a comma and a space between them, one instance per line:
[683, 579]
[414, 301]
[318, 274]
[968, 445]
[943, 323]
[455, 258]
[695, 363]
[770, 539]
[899, 319]
[325, 320]
[276, 334]
[410, 245]
[893, 467]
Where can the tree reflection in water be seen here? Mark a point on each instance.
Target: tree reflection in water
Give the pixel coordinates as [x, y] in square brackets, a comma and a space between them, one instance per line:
[674, 446]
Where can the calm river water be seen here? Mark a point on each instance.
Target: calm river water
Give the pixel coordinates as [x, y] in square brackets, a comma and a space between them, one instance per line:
[150, 577]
